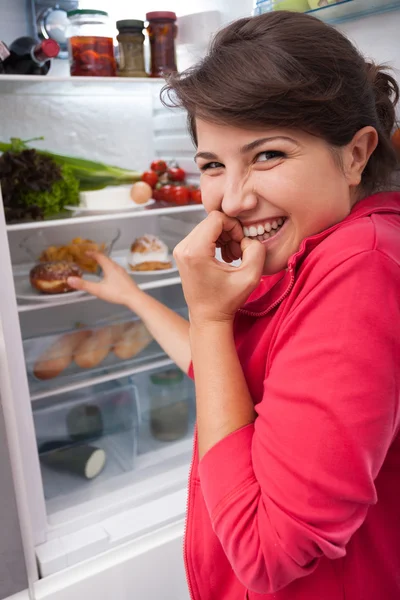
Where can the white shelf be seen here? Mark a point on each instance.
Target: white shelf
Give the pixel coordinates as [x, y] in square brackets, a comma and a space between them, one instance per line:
[345, 10]
[92, 379]
[173, 210]
[76, 86]
[148, 285]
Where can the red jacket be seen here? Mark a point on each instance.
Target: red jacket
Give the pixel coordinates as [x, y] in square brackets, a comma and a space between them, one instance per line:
[304, 504]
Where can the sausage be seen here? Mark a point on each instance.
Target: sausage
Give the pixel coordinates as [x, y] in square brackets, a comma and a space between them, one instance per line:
[59, 356]
[134, 340]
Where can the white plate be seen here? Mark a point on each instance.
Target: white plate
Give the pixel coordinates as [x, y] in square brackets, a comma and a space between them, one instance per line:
[24, 290]
[104, 211]
[123, 261]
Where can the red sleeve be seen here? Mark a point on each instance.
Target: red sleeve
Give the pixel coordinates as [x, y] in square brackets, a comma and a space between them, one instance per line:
[297, 484]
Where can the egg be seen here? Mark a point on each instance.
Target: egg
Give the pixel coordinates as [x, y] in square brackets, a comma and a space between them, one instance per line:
[141, 192]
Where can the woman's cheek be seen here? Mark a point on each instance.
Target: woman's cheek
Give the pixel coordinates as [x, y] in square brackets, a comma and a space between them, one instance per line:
[211, 193]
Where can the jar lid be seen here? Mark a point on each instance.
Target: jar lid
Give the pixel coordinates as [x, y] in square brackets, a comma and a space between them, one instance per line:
[169, 377]
[130, 24]
[161, 15]
[86, 11]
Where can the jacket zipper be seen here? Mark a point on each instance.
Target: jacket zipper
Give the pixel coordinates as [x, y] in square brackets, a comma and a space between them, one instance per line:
[274, 304]
[188, 508]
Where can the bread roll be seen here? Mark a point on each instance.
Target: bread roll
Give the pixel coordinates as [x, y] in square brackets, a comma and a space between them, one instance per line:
[59, 356]
[134, 340]
[94, 350]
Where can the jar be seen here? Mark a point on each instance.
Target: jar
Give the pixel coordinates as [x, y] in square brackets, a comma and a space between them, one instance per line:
[169, 405]
[90, 44]
[131, 50]
[162, 32]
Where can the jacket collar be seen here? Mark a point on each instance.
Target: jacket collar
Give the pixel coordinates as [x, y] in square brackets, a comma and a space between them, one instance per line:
[274, 288]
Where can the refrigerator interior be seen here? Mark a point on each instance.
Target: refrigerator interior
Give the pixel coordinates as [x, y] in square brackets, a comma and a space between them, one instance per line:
[137, 458]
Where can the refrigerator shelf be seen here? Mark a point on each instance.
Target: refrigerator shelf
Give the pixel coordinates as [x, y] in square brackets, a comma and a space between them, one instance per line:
[147, 285]
[110, 370]
[73, 221]
[339, 12]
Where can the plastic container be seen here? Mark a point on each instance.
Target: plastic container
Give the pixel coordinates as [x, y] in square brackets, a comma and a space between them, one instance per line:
[162, 32]
[131, 49]
[169, 405]
[83, 350]
[79, 433]
[90, 44]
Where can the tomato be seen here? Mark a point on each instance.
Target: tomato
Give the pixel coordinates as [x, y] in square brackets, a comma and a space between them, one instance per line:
[176, 174]
[151, 178]
[164, 193]
[195, 195]
[158, 166]
[179, 195]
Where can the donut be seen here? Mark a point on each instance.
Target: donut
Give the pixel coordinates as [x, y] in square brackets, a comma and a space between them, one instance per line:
[51, 277]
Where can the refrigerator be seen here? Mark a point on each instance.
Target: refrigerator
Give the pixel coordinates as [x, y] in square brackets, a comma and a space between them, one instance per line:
[94, 458]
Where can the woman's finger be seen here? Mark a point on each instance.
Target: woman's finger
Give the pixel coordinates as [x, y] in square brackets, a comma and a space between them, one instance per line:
[101, 259]
[78, 283]
[253, 258]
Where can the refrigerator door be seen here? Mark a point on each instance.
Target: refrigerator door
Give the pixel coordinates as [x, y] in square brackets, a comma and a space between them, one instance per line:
[13, 573]
[22, 510]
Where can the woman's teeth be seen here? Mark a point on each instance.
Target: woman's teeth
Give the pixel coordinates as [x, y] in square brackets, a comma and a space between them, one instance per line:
[264, 232]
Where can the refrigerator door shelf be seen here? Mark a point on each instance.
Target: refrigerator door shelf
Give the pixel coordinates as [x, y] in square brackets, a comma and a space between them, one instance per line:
[70, 549]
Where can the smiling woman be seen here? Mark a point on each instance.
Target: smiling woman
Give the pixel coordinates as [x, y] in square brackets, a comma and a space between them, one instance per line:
[294, 486]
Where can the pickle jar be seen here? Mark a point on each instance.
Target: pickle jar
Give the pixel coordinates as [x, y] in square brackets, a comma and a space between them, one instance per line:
[131, 49]
[169, 405]
[162, 32]
[90, 44]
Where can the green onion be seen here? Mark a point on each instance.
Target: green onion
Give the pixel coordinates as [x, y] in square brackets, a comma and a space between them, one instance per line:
[90, 174]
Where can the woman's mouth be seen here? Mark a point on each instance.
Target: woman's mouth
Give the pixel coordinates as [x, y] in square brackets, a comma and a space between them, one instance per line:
[264, 231]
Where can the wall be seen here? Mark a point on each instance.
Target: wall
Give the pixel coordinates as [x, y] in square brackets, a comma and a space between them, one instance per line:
[14, 19]
[377, 37]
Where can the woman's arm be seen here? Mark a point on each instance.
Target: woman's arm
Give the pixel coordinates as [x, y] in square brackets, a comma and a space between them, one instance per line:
[223, 401]
[168, 328]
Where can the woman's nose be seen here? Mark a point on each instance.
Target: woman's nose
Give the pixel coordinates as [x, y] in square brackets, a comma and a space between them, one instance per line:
[237, 199]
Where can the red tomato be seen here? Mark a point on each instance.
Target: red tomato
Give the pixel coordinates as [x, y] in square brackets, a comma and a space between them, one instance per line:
[151, 178]
[195, 195]
[176, 174]
[158, 166]
[180, 195]
[165, 193]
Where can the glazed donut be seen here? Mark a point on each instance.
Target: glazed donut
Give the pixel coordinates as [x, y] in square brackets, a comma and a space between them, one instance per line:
[51, 277]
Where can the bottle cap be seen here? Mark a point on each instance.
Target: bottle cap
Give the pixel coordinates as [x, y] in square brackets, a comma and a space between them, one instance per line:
[161, 16]
[50, 48]
[86, 11]
[130, 24]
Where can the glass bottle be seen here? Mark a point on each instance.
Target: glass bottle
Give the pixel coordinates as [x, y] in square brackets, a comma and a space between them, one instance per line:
[28, 56]
[169, 405]
[162, 32]
[131, 50]
[90, 44]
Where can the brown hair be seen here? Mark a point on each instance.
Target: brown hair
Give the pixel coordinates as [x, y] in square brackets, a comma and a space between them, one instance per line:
[287, 69]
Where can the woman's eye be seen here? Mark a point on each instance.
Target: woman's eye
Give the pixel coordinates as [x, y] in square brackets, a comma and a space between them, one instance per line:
[211, 165]
[269, 155]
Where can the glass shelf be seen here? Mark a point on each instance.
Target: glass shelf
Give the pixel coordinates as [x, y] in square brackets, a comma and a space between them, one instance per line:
[345, 10]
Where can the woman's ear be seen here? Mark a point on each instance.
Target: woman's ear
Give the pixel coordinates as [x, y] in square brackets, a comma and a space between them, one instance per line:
[357, 154]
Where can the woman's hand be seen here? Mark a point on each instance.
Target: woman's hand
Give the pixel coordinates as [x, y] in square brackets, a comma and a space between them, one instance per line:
[214, 290]
[116, 286]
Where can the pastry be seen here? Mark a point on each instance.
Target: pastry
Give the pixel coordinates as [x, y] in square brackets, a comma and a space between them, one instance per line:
[59, 356]
[149, 253]
[51, 277]
[95, 348]
[134, 340]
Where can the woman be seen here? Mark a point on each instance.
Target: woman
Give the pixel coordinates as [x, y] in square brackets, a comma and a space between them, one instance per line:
[295, 479]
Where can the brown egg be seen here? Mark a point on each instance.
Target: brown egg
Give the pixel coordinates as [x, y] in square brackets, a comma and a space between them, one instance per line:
[141, 192]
